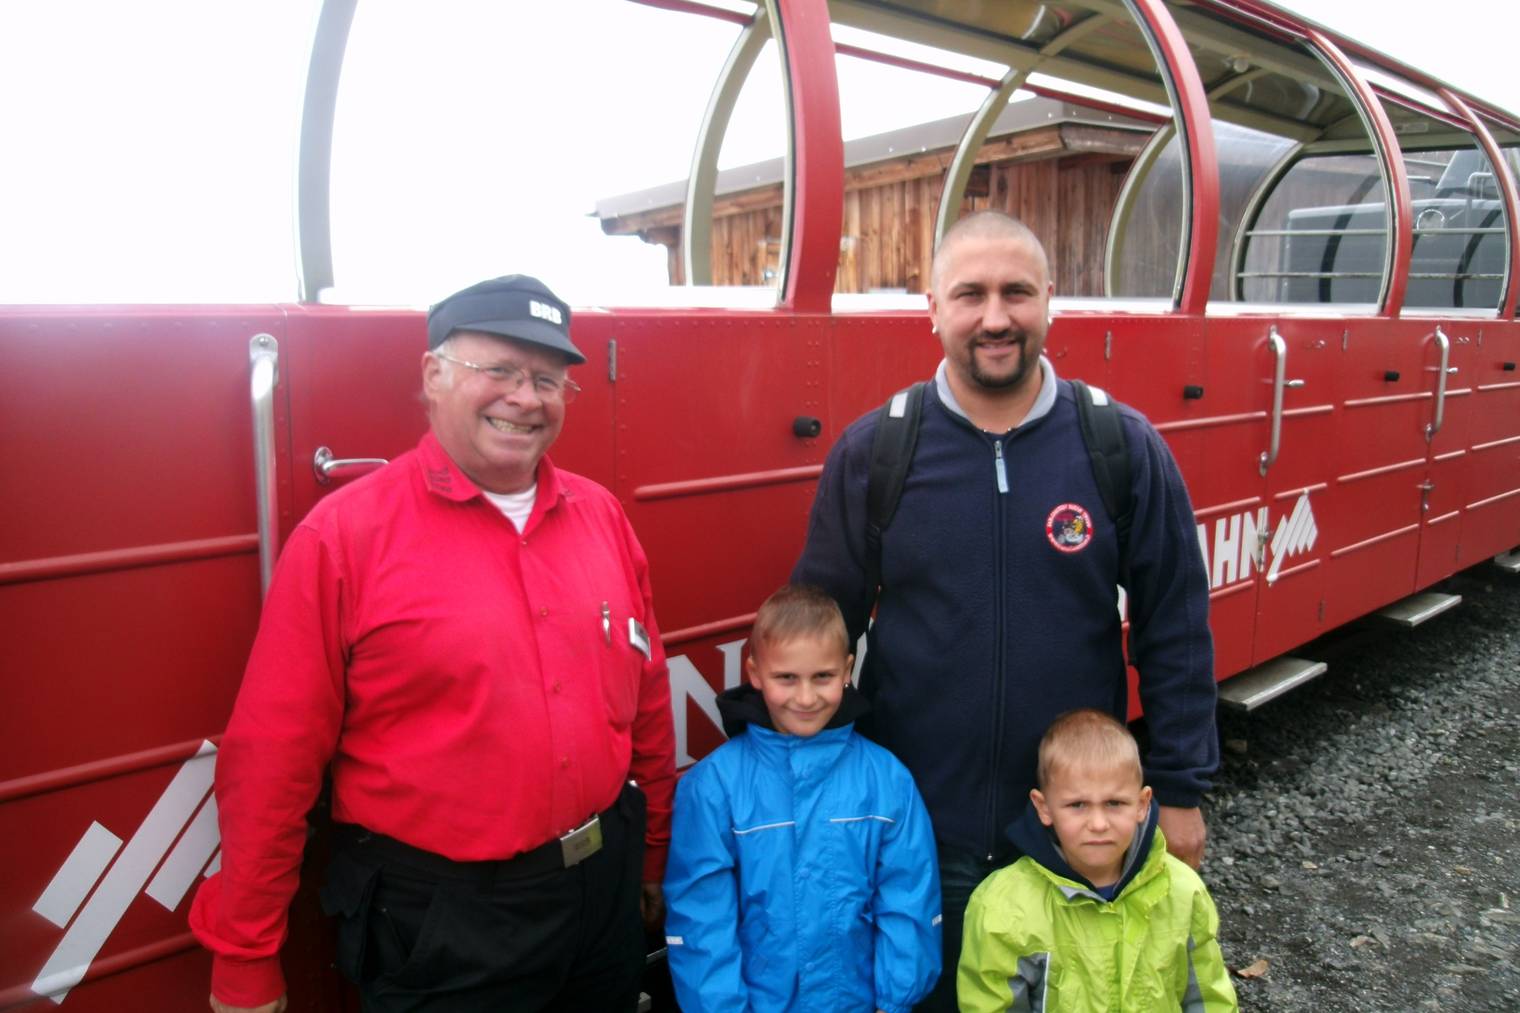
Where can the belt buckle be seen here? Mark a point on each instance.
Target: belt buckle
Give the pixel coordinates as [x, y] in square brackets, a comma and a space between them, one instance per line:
[582, 842]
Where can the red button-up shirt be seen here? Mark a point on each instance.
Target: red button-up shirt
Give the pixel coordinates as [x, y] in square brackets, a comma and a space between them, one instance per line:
[458, 676]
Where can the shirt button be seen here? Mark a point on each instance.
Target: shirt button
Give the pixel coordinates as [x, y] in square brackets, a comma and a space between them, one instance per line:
[556, 685]
[543, 610]
[564, 761]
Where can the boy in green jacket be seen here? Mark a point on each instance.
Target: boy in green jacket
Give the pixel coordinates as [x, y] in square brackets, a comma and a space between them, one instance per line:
[1096, 915]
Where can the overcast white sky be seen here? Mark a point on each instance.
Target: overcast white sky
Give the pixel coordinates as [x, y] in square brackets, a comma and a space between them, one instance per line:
[149, 144]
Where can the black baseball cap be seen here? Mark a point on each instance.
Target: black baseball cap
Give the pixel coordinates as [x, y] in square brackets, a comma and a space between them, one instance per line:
[515, 306]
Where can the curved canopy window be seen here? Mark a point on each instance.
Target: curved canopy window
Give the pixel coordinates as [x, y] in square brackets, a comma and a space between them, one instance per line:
[1303, 216]
[474, 140]
[1027, 138]
[1461, 251]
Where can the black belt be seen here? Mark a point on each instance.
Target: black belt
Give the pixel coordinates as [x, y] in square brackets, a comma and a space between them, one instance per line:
[561, 853]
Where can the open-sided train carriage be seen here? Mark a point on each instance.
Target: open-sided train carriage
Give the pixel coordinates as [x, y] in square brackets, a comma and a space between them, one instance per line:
[1298, 257]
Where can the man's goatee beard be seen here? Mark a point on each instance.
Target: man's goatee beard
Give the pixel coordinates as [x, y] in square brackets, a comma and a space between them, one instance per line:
[1002, 382]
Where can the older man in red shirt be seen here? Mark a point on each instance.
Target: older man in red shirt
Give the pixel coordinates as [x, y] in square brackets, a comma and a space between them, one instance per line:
[466, 637]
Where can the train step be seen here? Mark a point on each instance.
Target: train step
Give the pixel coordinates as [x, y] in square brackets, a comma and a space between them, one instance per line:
[1254, 687]
[1509, 562]
[1417, 608]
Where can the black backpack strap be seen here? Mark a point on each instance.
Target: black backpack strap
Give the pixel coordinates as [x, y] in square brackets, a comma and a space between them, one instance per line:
[891, 456]
[1103, 433]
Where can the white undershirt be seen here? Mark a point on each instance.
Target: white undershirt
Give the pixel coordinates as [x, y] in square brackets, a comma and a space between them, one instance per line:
[515, 506]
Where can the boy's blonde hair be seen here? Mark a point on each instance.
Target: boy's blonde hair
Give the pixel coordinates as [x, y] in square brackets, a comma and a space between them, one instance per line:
[1083, 738]
[795, 611]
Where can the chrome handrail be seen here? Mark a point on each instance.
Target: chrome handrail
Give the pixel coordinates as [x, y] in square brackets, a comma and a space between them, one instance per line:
[1279, 384]
[264, 374]
[1434, 426]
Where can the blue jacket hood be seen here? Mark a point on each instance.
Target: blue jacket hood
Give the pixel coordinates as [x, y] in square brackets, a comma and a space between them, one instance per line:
[1038, 841]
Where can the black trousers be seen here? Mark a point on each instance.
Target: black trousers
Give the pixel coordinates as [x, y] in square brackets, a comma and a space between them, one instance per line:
[482, 936]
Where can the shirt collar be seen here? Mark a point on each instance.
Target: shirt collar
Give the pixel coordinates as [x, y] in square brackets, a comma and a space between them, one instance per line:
[443, 478]
[1044, 401]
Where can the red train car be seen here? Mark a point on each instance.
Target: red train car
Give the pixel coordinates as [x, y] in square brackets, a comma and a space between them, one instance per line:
[1310, 287]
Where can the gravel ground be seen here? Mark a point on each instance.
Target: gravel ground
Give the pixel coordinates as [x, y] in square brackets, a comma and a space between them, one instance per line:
[1360, 831]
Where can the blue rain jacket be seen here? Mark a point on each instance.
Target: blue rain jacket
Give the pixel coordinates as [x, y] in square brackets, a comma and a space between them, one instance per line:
[802, 873]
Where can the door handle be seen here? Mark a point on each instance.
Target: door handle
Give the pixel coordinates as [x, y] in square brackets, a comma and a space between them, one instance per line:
[1279, 383]
[1434, 426]
[264, 374]
[324, 465]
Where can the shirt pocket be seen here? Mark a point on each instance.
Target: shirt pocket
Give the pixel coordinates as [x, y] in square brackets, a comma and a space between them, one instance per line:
[622, 642]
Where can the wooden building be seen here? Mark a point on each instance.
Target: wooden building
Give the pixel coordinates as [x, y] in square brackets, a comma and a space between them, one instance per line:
[1057, 166]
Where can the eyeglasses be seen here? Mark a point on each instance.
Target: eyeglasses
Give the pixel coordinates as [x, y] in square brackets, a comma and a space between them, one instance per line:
[505, 374]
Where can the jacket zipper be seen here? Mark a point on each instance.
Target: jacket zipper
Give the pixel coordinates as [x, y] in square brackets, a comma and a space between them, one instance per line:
[1001, 470]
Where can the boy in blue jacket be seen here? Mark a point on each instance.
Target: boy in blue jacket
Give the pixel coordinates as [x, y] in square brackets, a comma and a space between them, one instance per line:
[802, 872]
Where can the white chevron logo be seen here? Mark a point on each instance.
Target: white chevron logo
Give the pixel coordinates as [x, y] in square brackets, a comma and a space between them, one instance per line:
[1295, 534]
[184, 817]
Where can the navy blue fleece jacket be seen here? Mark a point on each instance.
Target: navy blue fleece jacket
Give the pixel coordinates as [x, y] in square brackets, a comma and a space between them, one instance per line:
[998, 607]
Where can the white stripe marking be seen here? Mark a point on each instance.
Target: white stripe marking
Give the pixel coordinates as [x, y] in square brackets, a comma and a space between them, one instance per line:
[675, 941]
[857, 819]
[82, 942]
[78, 873]
[187, 859]
[766, 826]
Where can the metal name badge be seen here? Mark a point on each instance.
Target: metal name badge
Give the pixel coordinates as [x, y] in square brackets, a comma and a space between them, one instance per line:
[582, 842]
[639, 638]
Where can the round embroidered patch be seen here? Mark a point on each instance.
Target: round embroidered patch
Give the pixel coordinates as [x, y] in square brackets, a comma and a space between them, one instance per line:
[1069, 528]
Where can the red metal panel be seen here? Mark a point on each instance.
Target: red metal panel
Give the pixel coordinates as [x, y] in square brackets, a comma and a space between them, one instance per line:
[1370, 523]
[1492, 502]
[871, 357]
[1229, 426]
[714, 479]
[129, 586]
[708, 467]
[818, 169]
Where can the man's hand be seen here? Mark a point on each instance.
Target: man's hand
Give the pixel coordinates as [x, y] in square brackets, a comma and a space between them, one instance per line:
[1185, 833]
[652, 907]
[278, 1006]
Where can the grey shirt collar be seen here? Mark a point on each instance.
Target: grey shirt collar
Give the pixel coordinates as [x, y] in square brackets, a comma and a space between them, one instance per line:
[1044, 401]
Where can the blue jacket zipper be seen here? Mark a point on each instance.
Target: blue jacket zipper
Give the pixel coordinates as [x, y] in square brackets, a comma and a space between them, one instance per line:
[1001, 470]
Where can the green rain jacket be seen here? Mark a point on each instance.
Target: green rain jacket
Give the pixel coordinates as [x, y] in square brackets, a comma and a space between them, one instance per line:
[1040, 939]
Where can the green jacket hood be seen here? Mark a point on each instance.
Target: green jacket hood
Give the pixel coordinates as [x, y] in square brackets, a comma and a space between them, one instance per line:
[1038, 841]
